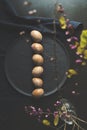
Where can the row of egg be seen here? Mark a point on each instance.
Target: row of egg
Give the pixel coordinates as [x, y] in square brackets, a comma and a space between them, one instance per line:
[38, 60]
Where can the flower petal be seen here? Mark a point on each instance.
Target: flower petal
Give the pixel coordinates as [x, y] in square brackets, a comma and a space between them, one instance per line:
[46, 122]
[56, 120]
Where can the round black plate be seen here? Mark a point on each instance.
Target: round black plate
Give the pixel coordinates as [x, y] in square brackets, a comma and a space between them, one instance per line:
[19, 65]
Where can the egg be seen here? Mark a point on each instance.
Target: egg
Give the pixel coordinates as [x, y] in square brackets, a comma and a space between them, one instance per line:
[38, 59]
[37, 71]
[37, 47]
[38, 92]
[38, 82]
[36, 36]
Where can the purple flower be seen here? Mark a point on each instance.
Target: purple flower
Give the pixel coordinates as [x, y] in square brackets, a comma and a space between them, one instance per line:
[73, 46]
[55, 105]
[40, 111]
[47, 115]
[69, 40]
[67, 32]
[78, 61]
[69, 26]
[48, 110]
[74, 38]
[58, 102]
[55, 113]
[67, 21]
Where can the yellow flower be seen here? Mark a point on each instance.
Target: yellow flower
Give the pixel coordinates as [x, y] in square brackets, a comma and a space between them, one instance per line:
[71, 72]
[84, 34]
[56, 120]
[46, 122]
[80, 50]
[62, 22]
[83, 39]
[85, 54]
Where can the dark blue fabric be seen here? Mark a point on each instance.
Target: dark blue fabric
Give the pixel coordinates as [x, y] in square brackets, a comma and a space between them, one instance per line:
[9, 17]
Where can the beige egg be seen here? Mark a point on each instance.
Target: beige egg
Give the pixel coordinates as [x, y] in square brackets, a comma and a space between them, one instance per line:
[37, 47]
[38, 92]
[38, 59]
[36, 36]
[38, 82]
[37, 71]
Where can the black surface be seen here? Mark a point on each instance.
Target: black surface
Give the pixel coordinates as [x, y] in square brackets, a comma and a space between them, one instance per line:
[19, 65]
[75, 9]
[12, 115]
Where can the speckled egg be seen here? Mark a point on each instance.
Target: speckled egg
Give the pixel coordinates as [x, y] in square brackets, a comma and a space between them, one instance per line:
[37, 59]
[36, 35]
[37, 71]
[38, 92]
[38, 82]
[37, 47]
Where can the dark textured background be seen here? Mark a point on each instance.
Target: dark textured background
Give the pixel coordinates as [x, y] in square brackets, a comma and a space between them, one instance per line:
[12, 115]
[75, 9]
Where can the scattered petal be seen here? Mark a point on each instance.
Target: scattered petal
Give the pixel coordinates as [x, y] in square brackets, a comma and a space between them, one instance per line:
[25, 2]
[67, 21]
[69, 26]
[73, 92]
[76, 84]
[59, 8]
[55, 105]
[46, 122]
[74, 38]
[55, 113]
[32, 11]
[69, 40]
[27, 40]
[71, 72]
[67, 33]
[81, 56]
[52, 59]
[73, 46]
[78, 61]
[83, 63]
[46, 116]
[56, 120]
[58, 102]
[22, 33]
[48, 110]
[69, 76]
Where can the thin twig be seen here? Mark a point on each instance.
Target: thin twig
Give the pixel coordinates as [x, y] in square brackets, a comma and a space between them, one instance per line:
[73, 127]
[79, 119]
[77, 124]
[65, 126]
[60, 127]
